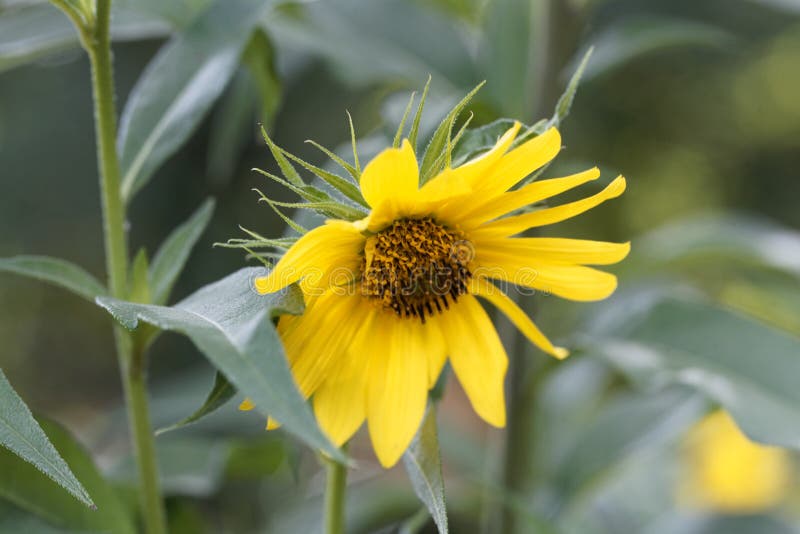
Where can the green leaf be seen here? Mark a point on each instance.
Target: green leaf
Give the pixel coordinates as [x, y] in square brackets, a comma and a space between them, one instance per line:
[174, 252]
[565, 100]
[230, 323]
[636, 36]
[747, 367]
[30, 32]
[232, 126]
[259, 57]
[631, 423]
[55, 271]
[29, 489]
[440, 139]
[221, 392]
[22, 435]
[512, 59]
[423, 465]
[138, 285]
[179, 86]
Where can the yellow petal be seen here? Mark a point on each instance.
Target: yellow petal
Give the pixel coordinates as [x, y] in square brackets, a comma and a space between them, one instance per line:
[324, 332]
[516, 315]
[247, 405]
[340, 402]
[520, 162]
[478, 358]
[391, 174]
[398, 388]
[434, 341]
[525, 196]
[574, 282]
[474, 172]
[272, 424]
[321, 257]
[519, 223]
[556, 250]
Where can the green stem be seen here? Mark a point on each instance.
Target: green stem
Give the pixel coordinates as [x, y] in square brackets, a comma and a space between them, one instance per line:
[556, 35]
[335, 497]
[97, 42]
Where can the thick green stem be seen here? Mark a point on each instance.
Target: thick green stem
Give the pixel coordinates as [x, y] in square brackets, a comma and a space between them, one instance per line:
[97, 42]
[335, 497]
[556, 39]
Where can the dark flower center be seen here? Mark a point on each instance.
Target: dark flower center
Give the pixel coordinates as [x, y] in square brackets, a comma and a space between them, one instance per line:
[415, 266]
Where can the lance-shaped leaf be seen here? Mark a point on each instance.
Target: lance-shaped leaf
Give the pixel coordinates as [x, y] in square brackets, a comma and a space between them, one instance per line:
[31, 490]
[750, 368]
[179, 86]
[57, 272]
[174, 252]
[424, 468]
[22, 435]
[230, 323]
[221, 392]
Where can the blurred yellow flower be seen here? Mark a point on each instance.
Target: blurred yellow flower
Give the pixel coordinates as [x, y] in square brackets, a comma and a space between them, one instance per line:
[390, 297]
[727, 472]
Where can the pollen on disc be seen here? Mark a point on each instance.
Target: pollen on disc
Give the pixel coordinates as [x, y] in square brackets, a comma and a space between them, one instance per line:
[417, 267]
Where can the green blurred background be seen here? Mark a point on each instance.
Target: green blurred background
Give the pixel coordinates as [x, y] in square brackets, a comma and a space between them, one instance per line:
[695, 102]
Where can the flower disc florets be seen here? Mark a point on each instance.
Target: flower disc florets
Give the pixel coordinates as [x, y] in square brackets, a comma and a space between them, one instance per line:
[414, 265]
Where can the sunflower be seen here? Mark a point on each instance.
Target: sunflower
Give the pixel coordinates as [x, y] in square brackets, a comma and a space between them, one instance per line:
[392, 296]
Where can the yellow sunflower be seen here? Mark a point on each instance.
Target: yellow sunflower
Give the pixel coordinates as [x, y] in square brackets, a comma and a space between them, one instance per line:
[390, 297]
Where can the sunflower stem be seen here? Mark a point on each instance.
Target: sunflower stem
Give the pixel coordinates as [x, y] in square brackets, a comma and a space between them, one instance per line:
[335, 497]
[97, 42]
[556, 36]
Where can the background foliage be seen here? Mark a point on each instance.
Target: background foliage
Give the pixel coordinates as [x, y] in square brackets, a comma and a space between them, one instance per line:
[695, 102]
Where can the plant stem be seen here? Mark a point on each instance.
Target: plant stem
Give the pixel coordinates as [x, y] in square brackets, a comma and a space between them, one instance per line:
[556, 35]
[335, 497]
[97, 42]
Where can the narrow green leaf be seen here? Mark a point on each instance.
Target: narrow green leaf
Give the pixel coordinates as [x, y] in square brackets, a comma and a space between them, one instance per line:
[22, 435]
[746, 366]
[179, 86]
[55, 271]
[138, 284]
[259, 57]
[353, 142]
[331, 209]
[402, 125]
[31, 490]
[414, 132]
[438, 143]
[342, 163]
[337, 182]
[423, 465]
[288, 220]
[221, 392]
[174, 252]
[288, 171]
[565, 100]
[230, 324]
[307, 192]
[231, 129]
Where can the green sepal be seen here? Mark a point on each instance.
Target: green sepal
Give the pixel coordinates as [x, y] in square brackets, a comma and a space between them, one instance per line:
[334, 180]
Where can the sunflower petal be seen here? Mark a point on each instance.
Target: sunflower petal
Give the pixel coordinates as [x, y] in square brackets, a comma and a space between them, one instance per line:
[521, 162]
[340, 402]
[519, 223]
[556, 250]
[398, 388]
[516, 315]
[325, 252]
[247, 405]
[391, 174]
[478, 358]
[574, 282]
[525, 196]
